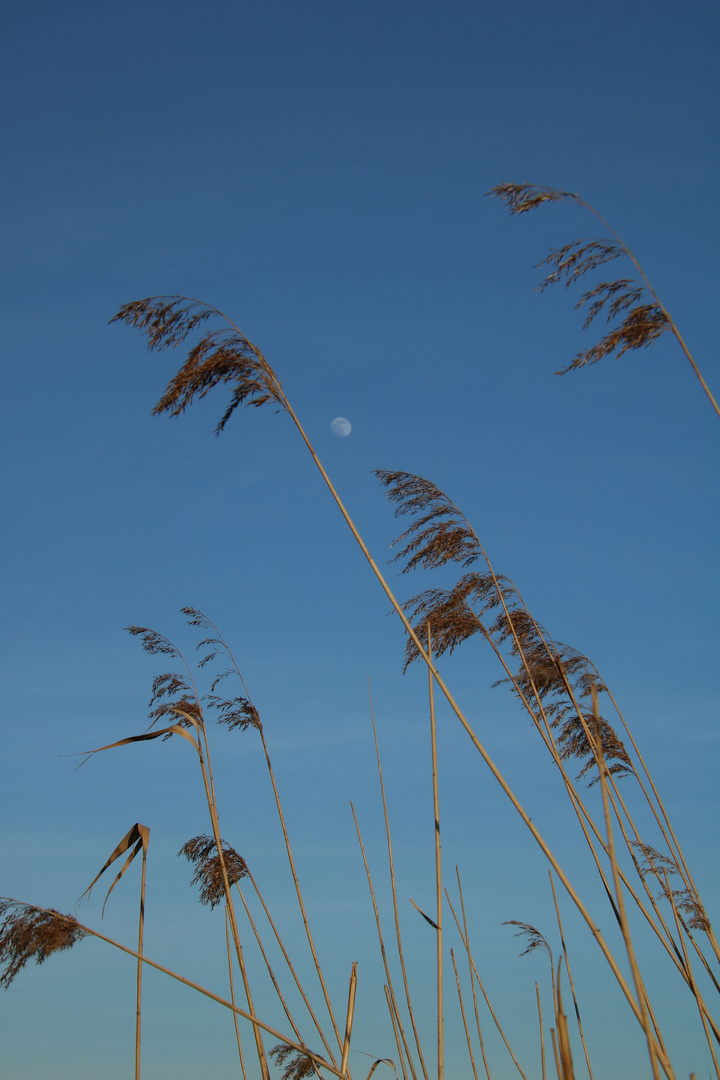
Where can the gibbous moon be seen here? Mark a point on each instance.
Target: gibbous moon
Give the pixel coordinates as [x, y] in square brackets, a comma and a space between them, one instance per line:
[341, 427]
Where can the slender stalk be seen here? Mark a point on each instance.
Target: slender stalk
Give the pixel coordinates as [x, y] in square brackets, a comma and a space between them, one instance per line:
[466, 938]
[542, 1032]
[268, 965]
[653, 1049]
[558, 1066]
[438, 868]
[276, 794]
[671, 324]
[466, 945]
[687, 963]
[394, 899]
[141, 933]
[680, 859]
[289, 963]
[464, 1018]
[389, 988]
[232, 995]
[349, 1021]
[394, 1019]
[231, 911]
[298, 891]
[570, 978]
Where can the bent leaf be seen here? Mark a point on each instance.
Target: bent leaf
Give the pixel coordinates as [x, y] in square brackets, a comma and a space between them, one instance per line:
[136, 838]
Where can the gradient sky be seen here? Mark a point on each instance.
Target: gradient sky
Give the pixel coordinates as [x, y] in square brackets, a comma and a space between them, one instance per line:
[317, 171]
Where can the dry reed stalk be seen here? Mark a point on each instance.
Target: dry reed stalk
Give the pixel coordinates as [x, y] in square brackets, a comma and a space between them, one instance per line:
[673, 949]
[653, 1050]
[136, 839]
[215, 824]
[396, 915]
[466, 946]
[240, 713]
[643, 323]
[291, 968]
[464, 1018]
[697, 997]
[570, 978]
[395, 1019]
[563, 1038]
[466, 938]
[674, 846]
[350, 1016]
[62, 931]
[389, 990]
[232, 995]
[228, 356]
[542, 1032]
[268, 965]
[438, 868]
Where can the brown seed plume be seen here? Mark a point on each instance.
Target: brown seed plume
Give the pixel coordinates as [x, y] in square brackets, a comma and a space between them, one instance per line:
[30, 933]
[645, 319]
[222, 355]
[201, 851]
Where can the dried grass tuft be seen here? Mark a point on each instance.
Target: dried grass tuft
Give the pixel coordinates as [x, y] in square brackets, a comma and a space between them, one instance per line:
[533, 938]
[295, 1064]
[221, 355]
[201, 851]
[644, 322]
[30, 933]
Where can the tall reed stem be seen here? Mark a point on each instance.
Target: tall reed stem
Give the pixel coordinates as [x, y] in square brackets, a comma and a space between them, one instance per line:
[141, 933]
[438, 867]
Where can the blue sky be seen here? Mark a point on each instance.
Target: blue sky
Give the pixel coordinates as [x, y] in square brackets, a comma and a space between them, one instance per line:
[317, 171]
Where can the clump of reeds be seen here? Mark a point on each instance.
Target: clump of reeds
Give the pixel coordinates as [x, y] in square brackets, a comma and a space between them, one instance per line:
[557, 687]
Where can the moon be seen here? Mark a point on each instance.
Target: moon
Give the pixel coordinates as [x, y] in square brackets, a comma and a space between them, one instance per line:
[341, 427]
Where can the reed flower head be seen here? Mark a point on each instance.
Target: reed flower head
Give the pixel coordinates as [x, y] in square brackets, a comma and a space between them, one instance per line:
[31, 933]
[201, 851]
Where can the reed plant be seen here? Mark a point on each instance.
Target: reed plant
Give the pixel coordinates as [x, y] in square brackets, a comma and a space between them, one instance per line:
[641, 871]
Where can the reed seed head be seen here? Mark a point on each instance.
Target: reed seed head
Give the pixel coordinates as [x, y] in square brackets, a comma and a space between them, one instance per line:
[30, 933]
[221, 356]
[201, 851]
[295, 1064]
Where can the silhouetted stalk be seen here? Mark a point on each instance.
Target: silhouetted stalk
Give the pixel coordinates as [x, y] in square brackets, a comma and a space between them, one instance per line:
[232, 994]
[464, 1018]
[394, 1019]
[291, 968]
[581, 811]
[349, 1021]
[298, 892]
[680, 957]
[655, 296]
[438, 868]
[389, 989]
[639, 987]
[542, 1032]
[466, 939]
[259, 727]
[687, 962]
[674, 847]
[394, 899]
[268, 965]
[226, 885]
[141, 933]
[466, 946]
[570, 978]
